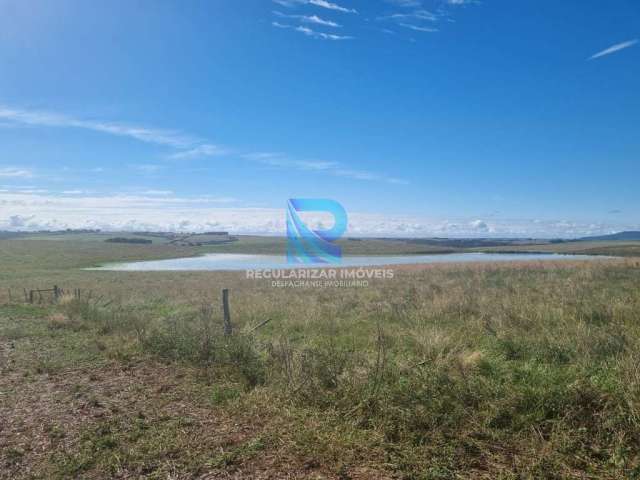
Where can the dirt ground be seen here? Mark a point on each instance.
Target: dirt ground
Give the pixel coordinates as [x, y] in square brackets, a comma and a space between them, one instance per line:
[86, 422]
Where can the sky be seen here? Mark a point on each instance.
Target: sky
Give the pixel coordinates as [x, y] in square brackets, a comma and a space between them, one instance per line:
[422, 117]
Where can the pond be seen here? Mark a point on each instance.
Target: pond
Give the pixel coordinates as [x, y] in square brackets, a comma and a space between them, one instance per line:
[234, 261]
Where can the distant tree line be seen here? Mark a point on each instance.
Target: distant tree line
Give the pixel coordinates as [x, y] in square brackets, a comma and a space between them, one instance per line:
[128, 240]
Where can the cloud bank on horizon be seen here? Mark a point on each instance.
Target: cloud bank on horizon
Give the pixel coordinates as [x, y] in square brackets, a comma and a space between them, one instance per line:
[36, 210]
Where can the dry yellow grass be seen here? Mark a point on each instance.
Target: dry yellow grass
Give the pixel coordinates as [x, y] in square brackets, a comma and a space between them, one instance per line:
[58, 320]
[482, 371]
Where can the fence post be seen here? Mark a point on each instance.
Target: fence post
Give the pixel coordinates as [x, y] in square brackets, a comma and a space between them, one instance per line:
[30, 296]
[228, 329]
[56, 292]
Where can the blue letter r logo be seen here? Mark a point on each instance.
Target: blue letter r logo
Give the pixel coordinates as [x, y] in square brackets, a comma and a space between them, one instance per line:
[305, 245]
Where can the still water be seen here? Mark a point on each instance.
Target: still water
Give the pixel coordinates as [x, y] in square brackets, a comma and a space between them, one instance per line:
[234, 261]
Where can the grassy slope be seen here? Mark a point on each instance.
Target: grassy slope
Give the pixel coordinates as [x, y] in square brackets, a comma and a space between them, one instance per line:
[612, 248]
[484, 371]
[98, 251]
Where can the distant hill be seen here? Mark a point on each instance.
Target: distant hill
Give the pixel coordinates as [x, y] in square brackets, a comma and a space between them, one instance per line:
[614, 236]
[4, 235]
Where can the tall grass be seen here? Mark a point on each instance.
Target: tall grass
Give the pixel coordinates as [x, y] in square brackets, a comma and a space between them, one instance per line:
[475, 371]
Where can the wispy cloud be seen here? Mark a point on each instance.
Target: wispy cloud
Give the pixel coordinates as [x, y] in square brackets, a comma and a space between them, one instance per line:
[418, 28]
[321, 35]
[161, 193]
[147, 168]
[313, 33]
[205, 150]
[318, 3]
[424, 15]
[188, 146]
[332, 6]
[74, 192]
[404, 14]
[418, 20]
[309, 19]
[614, 48]
[405, 3]
[149, 135]
[14, 172]
[330, 168]
[184, 147]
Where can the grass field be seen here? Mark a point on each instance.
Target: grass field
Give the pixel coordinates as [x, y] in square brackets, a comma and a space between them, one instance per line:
[502, 371]
[612, 248]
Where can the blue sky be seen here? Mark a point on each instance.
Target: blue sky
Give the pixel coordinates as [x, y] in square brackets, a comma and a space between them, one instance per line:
[448, 117]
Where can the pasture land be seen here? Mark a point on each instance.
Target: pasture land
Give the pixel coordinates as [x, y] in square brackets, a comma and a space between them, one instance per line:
[443, 372]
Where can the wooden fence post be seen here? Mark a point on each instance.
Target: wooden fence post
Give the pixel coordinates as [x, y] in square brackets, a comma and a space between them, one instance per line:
[56, 293]
[228, 328]
[30, 296]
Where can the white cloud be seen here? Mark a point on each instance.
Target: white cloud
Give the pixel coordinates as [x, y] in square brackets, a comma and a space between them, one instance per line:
[309, 19]
[409, 14]
[143, 134]
[14, 172]
[289, 3]
[147, 168]
[318, 3]
[327, 167]
[479, 225]
[419, 20]
[262, 156]
[321, 35]
[415, 15]
[406, 3]
[331, 6]
[162, 193]
[74, 192]
[18, 221]
[25, 190]
[418, 28]
[205, 150]
[186, 148]
[614, 48]
[320, 21]
[312, 33]
[33, 211]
